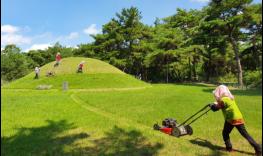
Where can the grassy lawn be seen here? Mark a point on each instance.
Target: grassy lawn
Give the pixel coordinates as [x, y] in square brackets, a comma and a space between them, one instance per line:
[119, 122]
[106, 112]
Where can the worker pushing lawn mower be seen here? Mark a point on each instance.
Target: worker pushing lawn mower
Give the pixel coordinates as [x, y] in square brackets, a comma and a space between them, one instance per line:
[172, 127]
[233, 118]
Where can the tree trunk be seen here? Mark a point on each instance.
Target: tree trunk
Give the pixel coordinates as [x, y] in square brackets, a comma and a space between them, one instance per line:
[194, 66]
[167, 79]
[209, 70]
[194, 71]
[146, 75]
[190, 69]
[208, 67]
[255, 53]
[239, 67]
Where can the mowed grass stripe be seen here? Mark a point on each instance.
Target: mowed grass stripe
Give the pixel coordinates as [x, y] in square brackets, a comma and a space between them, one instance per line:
[120, 120]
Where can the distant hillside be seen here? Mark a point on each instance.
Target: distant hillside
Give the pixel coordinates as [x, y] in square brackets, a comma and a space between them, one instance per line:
[96, 74]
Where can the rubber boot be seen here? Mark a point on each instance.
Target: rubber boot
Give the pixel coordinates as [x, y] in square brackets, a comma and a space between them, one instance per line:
[228, 146]
[258, 151]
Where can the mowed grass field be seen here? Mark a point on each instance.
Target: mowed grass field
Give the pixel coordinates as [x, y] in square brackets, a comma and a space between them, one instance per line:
[117, 120]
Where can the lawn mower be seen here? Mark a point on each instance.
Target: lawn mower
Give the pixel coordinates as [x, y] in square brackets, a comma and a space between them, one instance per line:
[172, 127]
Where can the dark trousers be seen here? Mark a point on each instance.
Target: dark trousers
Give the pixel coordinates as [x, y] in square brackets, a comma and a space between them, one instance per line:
[36, 77]
[242, 130]
[79, 70]
[56, 64]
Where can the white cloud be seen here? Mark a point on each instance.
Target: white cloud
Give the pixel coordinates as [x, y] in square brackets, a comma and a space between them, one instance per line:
[38, 47]
[9, 35]
[8, 29]
[63, 38]
[91, 30]
[14, 39]
[72, 35]
[200, 1]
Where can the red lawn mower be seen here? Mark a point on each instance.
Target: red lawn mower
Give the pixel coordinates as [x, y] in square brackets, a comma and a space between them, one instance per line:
[171, 127]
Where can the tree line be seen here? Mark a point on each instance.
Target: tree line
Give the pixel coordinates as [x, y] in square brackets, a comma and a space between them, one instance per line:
[222, 42]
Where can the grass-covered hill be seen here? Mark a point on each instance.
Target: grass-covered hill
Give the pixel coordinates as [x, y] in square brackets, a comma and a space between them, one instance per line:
[96, 74]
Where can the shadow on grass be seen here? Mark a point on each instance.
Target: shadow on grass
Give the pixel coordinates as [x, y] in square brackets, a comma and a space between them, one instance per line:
[45, 141]
[251, 92]
[119, 142]
[216, 150]
[40, 140]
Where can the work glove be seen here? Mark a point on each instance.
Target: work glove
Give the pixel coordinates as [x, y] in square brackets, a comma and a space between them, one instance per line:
[213, 107]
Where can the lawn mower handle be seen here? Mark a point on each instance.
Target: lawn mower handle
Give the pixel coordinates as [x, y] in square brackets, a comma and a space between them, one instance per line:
[199, 116]
[208, 105]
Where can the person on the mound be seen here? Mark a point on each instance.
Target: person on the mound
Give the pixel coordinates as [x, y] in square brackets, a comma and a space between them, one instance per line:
[58, 59]
[37, 71]
[233, 117]
[80, 67]
[50, 73]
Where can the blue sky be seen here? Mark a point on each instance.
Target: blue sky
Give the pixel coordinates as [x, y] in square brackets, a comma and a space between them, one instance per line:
[37, 24]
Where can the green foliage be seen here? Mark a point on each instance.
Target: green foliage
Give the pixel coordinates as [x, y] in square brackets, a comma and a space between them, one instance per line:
[37, 57]
[14, 65]
[253, 79]
[85, 50]
[42, 57]
[124, 41]
[228, 78]
[228, 17]
[119, 63]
